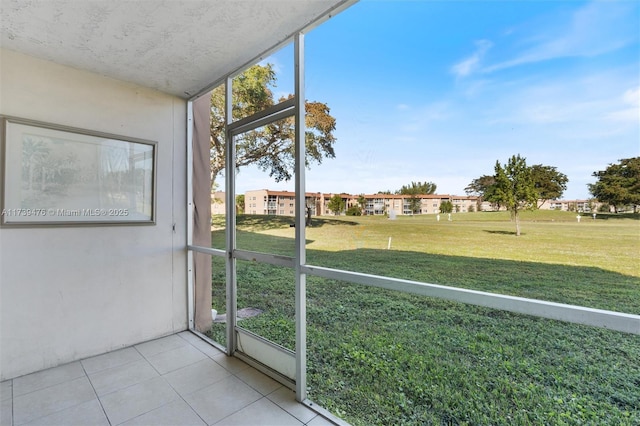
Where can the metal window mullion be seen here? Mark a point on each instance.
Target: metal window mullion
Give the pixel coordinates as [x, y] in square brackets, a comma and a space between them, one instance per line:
[271, 259]
[300, 235]
[207, 250]
[190, 281]
[230, 235]
[274, 113]
[262, 122]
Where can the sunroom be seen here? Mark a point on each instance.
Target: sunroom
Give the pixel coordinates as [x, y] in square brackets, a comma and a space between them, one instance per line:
[107, 300]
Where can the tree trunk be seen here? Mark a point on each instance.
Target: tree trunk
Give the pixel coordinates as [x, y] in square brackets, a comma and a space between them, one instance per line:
[517, 218]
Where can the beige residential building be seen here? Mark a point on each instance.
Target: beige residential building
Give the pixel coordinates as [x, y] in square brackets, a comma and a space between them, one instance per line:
[218, 204]
[401, 205]
[464, 203]
[282, 203]
[581, 206]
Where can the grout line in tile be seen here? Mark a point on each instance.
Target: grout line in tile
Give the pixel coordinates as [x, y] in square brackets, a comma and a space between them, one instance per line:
[96, 393]
[150, 364]
[113, 366]
[46, 387]
[186, 402]
[237, 411]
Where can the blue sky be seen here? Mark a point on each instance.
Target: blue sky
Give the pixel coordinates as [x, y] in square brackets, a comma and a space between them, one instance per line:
[438, 91]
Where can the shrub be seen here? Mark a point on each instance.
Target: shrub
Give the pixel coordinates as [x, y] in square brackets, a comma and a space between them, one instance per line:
[354, 211]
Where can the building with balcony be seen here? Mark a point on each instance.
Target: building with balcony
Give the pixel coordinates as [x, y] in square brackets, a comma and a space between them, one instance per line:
[579, 206]
[282, 203]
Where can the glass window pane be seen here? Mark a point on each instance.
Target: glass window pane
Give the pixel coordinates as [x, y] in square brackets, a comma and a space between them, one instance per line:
[265, 200]
[262, 85]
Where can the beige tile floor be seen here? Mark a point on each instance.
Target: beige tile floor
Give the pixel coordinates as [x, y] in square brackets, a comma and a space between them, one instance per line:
[175, 380]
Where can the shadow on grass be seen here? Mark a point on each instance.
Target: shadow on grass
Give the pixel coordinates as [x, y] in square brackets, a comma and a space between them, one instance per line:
[617, 216]
[258, 223]
[252, 241]
[503, 232]
[576, 285]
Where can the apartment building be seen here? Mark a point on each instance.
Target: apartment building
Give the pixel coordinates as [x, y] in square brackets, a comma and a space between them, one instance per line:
[282, 203]
[218, 204]
[581, 206]
[401, 204]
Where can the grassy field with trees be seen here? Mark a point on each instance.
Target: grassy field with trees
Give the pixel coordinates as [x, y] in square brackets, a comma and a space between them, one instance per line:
[382, 357]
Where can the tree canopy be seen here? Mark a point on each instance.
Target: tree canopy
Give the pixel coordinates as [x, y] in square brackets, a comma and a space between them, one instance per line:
[446, 207]
[362, 202]
[619, 184]
[417, 188]
[414, 188]
[240, 203]
[514, 187]
[482, 187]
[549, 183]
[354, 210]
[270, 147]
[336, 204]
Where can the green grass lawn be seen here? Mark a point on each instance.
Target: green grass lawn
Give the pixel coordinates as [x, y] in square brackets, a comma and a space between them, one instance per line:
[382, 357]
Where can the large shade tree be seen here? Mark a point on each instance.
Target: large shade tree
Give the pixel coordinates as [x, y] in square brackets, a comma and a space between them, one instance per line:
[514, 188]
[270, 147]
[619, 184]
[549, 182]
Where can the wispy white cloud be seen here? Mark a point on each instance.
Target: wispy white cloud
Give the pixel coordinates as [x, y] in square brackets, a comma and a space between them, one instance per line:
[472, 63]
[598, 27]
[585, 101]
[630, 110]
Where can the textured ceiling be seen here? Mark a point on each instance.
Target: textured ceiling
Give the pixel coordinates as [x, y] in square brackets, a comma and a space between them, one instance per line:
[175, 46]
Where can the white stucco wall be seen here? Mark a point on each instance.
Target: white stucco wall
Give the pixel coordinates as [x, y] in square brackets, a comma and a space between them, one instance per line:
[72, 292]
